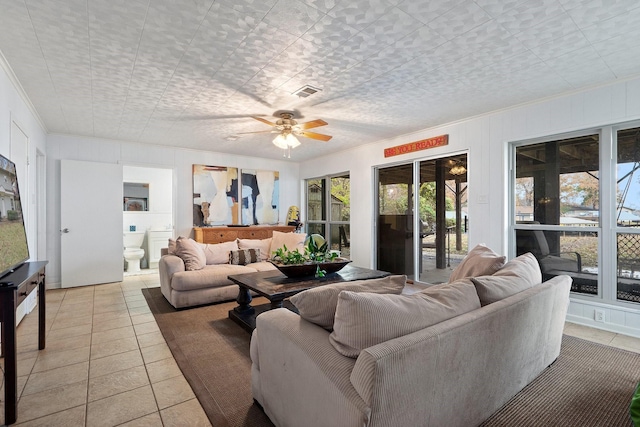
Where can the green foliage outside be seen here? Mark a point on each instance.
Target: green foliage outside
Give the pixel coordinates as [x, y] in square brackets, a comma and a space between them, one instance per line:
[13, 215]
[13, 247]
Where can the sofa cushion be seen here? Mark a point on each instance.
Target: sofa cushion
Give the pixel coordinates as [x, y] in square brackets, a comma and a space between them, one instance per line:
[318, 305]
[218, 253]
[191, 253]
[365, 319]
[517, 275]
[480, 261]
[292, 241]
[244, 256]
[211, 276]
[263, 244]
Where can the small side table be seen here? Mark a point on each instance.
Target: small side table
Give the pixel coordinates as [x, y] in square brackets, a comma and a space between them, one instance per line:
[14, 288]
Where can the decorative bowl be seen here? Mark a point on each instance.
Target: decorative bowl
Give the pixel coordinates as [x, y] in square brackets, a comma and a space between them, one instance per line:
[309, 269]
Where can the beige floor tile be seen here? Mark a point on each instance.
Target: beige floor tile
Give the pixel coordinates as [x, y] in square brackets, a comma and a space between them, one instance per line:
[172, 391]
[136, 296]
[626, 343]
[110, 308]
[47, 380]
[148, 340]
[115, 363]
[51, 401]
[142, 318]
[108, 300]
[118, 322]
[117, 382]
[130, 406]
[146, 328]
[155, 352]
[151, 420]
[112, 335]
[73, 417]
[189, 413]
[591, 334]
[137, 303]
[113, 347]
[70, 323]
[25, 365]
[109, 316]
[72, 331]
[163, 370]
[139, 310]
[69, 343]
[48, 359]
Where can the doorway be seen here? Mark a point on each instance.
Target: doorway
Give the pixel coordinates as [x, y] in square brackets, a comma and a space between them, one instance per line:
[427, 246]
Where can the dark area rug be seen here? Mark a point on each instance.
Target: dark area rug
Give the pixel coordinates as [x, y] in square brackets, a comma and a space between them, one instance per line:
[213, 354]
[589, 385]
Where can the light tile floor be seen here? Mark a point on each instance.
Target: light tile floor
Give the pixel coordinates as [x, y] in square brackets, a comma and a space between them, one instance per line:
[106, 362]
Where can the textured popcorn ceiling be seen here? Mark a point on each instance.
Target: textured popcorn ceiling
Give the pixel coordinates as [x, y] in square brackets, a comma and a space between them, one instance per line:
[191, 72]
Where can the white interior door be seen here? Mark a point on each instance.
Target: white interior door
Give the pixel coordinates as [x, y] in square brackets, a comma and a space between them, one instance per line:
[91, 223]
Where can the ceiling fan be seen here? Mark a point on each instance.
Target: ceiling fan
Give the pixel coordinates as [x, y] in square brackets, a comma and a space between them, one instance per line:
[288, 128]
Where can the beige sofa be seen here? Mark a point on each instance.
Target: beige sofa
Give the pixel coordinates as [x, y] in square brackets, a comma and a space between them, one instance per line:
[195, 274]
[456, 372]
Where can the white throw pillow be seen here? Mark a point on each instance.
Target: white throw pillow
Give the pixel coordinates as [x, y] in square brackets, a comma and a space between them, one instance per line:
[517, 275]
[218, 253]
[365, 319]
[293, 241]
[318, 305]
[480, 261]
[263, 244]
[191, 253]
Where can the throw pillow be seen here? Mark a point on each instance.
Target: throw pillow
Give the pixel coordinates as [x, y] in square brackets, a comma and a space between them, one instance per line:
[191, 253]
[244, 256]
[171, 248]
[517, 275]
[480, 261]
[292, 241]
[364, 319]
[218, 253]
[262, 244]
[318, 305]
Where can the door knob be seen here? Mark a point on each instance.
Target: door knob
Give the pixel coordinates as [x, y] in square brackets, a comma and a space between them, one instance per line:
[65, 230]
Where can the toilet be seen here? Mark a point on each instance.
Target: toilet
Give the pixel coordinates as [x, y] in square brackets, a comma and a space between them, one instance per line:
[133, 252]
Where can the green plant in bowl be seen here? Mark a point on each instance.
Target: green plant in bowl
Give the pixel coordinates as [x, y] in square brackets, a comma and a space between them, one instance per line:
[315, 256]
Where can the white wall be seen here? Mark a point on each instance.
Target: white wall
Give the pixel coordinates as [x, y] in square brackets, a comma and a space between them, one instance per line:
[128, 153]
[486, 138]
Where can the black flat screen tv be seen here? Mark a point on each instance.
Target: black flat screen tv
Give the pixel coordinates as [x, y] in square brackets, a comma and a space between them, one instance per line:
[14, 250]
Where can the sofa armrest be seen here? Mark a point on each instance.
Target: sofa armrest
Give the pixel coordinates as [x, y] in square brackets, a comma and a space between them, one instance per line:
[167, 267]
[303, 380]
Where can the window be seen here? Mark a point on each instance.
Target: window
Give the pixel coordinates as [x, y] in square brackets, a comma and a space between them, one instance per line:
[576, 207]
[627, 215]
[328, 210]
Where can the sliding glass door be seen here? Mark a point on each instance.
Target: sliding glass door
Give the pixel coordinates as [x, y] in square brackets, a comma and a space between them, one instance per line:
[425, 246]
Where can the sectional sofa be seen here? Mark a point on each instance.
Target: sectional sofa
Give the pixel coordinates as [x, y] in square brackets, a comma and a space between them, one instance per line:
[450, 355]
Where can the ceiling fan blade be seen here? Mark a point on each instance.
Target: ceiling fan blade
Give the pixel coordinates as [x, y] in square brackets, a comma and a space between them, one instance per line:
[265, 121]
[312, 124]
[260, 131]
[314, 135]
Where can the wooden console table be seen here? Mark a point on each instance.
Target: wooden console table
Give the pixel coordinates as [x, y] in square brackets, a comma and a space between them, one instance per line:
[227, 234]
[14, 288]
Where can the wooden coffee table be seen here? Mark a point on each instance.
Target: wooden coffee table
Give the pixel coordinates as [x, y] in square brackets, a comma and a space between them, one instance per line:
[275, 286]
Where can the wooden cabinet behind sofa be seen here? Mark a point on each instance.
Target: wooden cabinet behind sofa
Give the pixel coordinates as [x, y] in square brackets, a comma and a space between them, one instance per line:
[226, 234]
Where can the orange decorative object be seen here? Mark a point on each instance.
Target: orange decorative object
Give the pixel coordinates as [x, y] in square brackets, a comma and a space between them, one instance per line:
[436, 141]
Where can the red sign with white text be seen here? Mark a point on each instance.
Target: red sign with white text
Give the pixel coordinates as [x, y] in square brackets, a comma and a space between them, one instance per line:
[436, 141]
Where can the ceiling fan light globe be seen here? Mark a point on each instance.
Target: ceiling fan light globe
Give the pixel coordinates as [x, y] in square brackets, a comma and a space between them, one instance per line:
[292, 141]
[280, 141]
